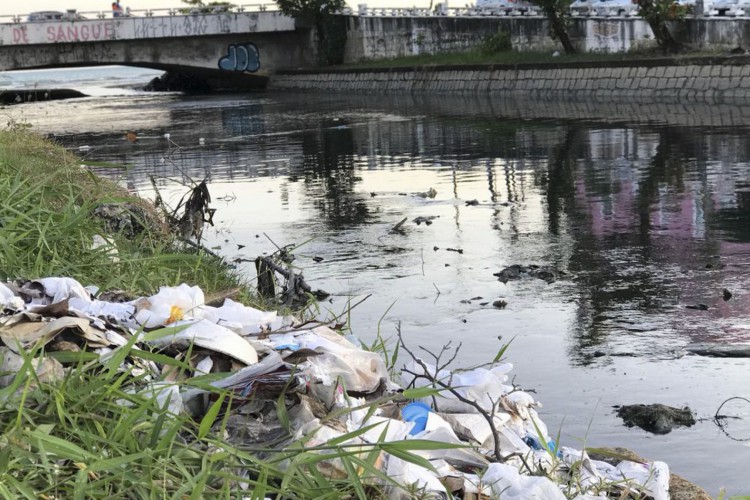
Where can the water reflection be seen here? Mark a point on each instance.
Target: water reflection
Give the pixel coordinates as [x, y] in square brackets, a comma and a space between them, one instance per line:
[648, 219]
[330, 175]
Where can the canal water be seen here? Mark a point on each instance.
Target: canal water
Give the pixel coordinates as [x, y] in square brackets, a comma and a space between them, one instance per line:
[642, 208]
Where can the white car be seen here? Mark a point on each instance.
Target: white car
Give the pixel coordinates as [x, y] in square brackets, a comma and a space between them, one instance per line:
[730, 8]
[504, 7]
[582, 8]
[612, 8]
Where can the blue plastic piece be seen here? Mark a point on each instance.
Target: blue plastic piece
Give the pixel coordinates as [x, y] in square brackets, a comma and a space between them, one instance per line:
[416, 412]
[534, 444]
[291, 347]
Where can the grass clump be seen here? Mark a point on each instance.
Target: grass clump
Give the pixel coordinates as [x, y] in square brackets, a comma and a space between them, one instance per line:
[48, 224]
[493, 50]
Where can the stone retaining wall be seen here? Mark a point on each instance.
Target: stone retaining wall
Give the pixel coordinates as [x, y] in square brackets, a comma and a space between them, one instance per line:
[372, 38]
[715, 78]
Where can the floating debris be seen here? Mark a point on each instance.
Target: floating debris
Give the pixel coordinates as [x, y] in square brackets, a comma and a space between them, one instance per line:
[656, 418]
[430, 193]
[500, 304]
[517, 271]
[698, 307]
[425, 219]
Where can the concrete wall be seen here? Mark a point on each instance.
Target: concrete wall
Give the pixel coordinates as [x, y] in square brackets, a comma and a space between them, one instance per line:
[138, 28]
[714, 79]
[387, 37]
[230, 44]
[270, 51]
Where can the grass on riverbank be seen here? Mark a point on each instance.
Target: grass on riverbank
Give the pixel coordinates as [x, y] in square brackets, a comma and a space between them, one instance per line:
[47, 205]
[477, 56]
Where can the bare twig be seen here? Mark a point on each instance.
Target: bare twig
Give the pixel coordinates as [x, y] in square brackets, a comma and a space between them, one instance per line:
[200, 247]
[719, 419]
[488, 416]
[348, 309]
[397, 227]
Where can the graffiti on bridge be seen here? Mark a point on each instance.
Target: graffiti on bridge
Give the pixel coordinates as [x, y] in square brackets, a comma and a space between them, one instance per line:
[241, 57]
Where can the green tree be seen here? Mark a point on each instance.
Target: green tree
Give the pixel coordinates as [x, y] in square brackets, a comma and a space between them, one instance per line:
[320, 15]
[558, 15]
[658, 14]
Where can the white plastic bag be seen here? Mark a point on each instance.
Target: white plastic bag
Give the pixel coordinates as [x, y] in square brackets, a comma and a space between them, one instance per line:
[508, 484]
[9, 299]
[58, 289]
[170, 305]
[240, 318]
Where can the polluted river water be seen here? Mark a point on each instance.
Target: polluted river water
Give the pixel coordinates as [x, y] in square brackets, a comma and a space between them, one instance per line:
[642, 210]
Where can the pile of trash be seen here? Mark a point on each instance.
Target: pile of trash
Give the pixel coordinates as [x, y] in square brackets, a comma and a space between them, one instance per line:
[487, 440]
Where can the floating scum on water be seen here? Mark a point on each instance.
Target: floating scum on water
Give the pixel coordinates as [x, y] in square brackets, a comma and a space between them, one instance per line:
[290, 390]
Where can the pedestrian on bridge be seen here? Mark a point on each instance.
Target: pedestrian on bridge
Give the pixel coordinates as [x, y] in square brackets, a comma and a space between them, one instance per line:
[116, 9]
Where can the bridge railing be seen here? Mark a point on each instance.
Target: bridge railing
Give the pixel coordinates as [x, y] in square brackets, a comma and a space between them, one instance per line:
[501, 8]
[72, 15]
[714, 9]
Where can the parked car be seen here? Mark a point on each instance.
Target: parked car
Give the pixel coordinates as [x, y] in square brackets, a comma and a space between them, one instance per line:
[582, 8]
[730, 8]
[503, 7]
[54, 15]
[609, 8]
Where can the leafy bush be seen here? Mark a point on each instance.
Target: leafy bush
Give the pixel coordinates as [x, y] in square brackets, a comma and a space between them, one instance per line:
[494, 44]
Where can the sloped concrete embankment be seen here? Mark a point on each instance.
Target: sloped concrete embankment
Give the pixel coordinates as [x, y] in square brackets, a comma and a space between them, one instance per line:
[701, 78]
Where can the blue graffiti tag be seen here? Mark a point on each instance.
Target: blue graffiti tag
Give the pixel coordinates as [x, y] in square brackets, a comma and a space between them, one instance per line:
[244, 57]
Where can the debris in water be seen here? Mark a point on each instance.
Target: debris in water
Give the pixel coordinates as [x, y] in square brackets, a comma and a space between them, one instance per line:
[655, 418]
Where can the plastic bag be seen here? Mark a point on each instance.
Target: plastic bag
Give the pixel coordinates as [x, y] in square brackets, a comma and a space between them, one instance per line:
[240, 318]
[170, 305]
[508, 484]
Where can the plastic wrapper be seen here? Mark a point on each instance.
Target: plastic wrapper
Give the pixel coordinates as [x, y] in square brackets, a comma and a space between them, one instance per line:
[242, 319]
[58, 289]
[480, 385]
[170, 305]
[9, 299]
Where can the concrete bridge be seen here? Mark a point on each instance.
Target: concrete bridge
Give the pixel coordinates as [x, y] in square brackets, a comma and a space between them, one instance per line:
[222, 49]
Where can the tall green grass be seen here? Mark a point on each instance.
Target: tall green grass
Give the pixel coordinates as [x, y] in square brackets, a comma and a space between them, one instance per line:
[47, 226]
